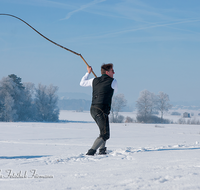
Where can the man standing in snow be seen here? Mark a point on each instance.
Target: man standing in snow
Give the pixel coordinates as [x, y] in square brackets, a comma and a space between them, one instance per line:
[103, 90]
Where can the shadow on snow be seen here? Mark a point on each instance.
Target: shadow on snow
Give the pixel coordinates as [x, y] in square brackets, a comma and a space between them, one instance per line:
[22, 157]
[164, 149]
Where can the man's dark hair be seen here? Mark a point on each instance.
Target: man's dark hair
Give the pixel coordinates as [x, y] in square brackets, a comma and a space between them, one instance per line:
[106, 67]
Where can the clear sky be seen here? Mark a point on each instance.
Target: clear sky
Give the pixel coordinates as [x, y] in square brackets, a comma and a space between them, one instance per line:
[153, 44]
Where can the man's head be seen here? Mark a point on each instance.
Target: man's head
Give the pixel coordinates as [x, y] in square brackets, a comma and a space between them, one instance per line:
[107, 69]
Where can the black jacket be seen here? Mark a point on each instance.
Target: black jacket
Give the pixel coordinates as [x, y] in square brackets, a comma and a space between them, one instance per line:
[102, 91]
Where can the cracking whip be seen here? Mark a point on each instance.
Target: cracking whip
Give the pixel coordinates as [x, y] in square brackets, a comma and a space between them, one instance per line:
[49, 39]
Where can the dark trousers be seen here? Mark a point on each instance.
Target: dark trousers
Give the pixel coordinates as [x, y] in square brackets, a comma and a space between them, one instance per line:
[100, 115]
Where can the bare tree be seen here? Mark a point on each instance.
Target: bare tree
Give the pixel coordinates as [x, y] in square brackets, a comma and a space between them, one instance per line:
[118, 102]
[163, 104]
[145, 104]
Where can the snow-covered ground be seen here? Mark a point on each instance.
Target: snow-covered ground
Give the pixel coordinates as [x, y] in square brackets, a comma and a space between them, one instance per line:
[141, 156]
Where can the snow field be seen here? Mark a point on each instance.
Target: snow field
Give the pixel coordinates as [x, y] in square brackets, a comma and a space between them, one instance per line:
[141, 156]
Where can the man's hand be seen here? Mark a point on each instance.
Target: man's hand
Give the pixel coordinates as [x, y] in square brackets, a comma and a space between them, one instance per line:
[89, 69]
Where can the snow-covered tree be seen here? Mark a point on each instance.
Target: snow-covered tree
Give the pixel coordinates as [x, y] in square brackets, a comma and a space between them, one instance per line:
[27, 108]
[163, 104]
[17, 80]
[118, 102]
[17, 101]
[22, 100]
[46, 103]
[146, 104]
[8, 90]
[9, 114]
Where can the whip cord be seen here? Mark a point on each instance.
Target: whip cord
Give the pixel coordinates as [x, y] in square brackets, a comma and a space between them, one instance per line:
[49, 39]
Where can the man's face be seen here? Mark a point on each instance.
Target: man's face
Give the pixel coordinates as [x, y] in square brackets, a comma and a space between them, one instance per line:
[110, 73]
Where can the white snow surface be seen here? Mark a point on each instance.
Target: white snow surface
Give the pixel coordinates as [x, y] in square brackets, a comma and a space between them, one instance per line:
[51, 156]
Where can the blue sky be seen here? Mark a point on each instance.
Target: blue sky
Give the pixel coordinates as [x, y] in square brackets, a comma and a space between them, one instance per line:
[153, 45]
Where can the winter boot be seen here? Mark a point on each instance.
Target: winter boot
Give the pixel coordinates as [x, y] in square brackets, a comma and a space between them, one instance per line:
[102, 151]
[91, 152]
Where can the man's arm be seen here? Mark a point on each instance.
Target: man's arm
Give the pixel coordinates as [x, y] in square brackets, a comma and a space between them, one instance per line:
[114, 85]
[85, 81]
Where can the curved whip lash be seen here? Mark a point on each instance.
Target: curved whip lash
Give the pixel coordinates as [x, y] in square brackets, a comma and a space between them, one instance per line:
[48, 38]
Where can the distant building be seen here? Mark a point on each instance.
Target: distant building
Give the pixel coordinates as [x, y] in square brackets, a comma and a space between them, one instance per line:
[186, 115]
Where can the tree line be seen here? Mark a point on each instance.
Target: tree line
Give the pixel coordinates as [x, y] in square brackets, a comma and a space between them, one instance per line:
[148, 106]
[25, 102]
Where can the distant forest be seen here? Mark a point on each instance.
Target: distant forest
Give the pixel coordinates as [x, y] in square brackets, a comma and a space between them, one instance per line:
[25, 102]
